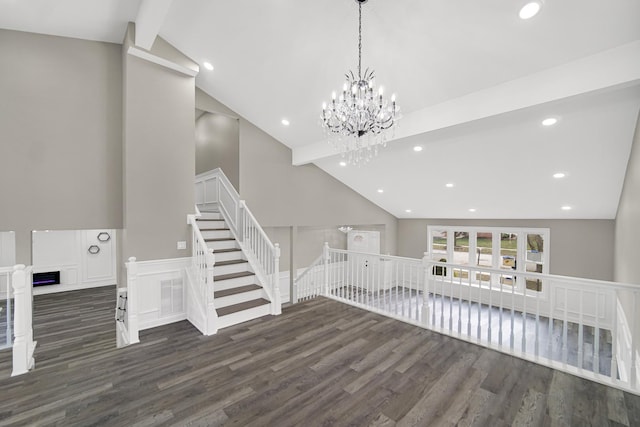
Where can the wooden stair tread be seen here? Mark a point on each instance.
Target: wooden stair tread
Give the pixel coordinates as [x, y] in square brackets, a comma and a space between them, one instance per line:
[241, 307]
[214, 229]
[219, 240]
[232, 276]
[230, 262]
[227, 250]
[234, 291]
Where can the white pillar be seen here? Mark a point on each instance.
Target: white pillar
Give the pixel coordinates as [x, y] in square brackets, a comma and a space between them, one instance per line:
[325, 260]
[212, 314]
[22, 330]
[425, 292]
[132, 301]
[276, 308]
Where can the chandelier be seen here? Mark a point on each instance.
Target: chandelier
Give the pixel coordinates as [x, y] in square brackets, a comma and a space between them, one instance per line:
[356, 121]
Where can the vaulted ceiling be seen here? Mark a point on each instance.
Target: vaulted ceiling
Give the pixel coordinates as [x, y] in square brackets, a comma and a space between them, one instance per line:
[474, 82]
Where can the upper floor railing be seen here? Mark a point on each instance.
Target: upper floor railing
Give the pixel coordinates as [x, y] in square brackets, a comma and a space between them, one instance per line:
[585, 327]
[214, 189]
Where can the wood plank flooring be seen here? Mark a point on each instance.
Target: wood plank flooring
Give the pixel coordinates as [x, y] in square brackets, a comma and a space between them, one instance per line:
[320, 363]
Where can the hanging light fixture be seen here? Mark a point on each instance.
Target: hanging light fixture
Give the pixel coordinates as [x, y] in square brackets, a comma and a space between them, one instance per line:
[356, 121]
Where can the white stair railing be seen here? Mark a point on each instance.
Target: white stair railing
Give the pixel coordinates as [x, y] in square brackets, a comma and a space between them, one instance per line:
[570, 324]
[214, 189]
[201, 310]
[23, 343]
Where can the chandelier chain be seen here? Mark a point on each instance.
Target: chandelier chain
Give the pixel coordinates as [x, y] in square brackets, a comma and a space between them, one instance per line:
[359, 40]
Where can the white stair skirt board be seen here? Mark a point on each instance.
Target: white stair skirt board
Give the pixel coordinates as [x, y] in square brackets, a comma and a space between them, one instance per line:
[244, 316]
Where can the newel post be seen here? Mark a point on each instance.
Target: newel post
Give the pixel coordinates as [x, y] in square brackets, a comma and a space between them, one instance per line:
[425, 292]
[325, 261]
[132, 301]
[209, 296]
[21, 362]
[277, 300]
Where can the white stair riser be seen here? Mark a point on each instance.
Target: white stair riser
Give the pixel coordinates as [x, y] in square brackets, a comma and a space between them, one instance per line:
[221, 285]
[244, 316]
[228, 269]
[216, 234]
[228, 256]
[225, 244]
[211, 224]
[210, 215]
[239, 298]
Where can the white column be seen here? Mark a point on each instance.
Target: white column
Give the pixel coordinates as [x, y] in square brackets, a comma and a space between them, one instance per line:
[22, 359]
[425, 292]
[325, 260]
[212, 314]
[277, 300]
[132, 301]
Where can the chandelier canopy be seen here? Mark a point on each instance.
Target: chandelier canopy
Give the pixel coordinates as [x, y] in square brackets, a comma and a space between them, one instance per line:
[356, 121]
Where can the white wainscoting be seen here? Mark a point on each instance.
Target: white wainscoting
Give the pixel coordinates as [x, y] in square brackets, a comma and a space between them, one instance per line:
[162, 291]
[67, 251]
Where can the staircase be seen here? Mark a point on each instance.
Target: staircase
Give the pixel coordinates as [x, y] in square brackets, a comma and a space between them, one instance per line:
[238, 297]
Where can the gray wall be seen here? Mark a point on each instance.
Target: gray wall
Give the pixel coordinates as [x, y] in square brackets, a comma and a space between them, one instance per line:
[627, 250]
[159, 153]
[297, 202]
[579, 248]
[218, 145]
[60, 135]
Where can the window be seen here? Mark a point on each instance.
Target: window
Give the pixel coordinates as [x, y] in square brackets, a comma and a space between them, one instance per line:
[514, 251]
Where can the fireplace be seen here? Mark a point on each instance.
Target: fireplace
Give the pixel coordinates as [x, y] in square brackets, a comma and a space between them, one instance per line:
[46, 278]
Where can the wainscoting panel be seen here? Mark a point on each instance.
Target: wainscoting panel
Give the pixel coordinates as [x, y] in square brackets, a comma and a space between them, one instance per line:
[161, 291]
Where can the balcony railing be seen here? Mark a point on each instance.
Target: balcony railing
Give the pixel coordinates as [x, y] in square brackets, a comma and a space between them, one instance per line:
[585, 327]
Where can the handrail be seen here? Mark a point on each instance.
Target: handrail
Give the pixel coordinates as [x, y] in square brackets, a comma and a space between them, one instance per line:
[214, 188]
[574, 325]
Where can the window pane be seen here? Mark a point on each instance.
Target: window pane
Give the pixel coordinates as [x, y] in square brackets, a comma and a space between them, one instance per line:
[484, 254]
[439, 246]
[508, 252]
[535, 257]
[461, 252]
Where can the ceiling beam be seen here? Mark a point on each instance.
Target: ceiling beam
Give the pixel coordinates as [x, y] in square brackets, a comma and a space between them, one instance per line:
[151, 15]
[608, 69]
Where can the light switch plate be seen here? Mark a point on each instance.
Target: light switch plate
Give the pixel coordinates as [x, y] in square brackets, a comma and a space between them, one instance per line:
[182, 245]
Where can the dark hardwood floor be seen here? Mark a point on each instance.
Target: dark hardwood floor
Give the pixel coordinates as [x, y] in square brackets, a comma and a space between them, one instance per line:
[319, 363]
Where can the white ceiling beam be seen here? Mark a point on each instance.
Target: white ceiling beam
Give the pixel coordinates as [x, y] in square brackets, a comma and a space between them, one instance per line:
[151, 15]
[607, 69]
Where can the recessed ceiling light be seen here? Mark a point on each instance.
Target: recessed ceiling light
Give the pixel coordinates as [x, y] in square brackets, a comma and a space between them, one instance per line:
[449, 185]
[550, 121]
[472, 210]
[530, 9]
[407, 210]
[566, 208]
[208, 66]
[285, 122]
[380, 190]
[343, 164]
[417, 148]
[559, 175]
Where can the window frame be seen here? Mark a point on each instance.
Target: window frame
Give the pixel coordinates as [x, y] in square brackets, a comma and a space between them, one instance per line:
[521, 250]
